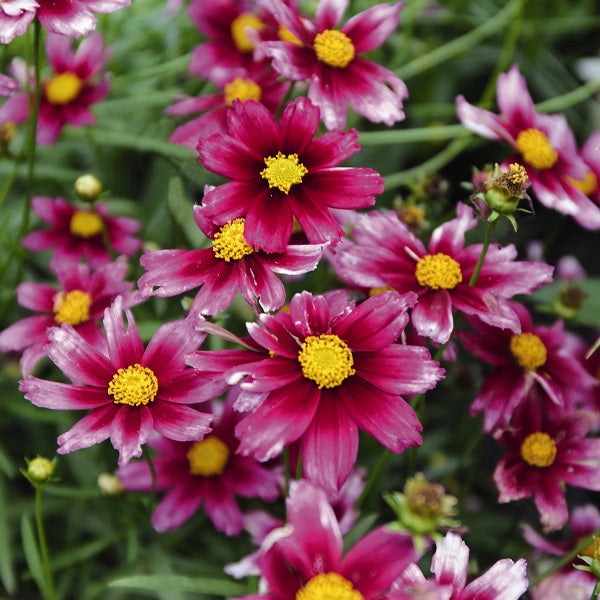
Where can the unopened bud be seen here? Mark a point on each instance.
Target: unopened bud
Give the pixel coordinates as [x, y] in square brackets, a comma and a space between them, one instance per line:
[40, 469]
[109, 484]
[88, 187]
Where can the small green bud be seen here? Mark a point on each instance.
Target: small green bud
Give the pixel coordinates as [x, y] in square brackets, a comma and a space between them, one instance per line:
[88, 188]
[40, 470]
[109, 484]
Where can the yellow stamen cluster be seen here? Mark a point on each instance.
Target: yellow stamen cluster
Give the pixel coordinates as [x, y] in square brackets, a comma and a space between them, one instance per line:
[72, 308]
[239, 32]
[538, 449]
[229, 242]
[438, 271]
[134, 385]
[283, 171]
[334, 48]
[242, 89]
[85, 223]
[63, 88]
[529, 351]
[536, 149]
[285, 35]
[588, 185]
[328, 586]
[208, 457]
[326, 359]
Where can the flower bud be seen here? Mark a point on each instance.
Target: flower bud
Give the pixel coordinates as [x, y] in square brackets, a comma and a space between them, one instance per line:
[87, 187]
[40, 470]
[109, 484]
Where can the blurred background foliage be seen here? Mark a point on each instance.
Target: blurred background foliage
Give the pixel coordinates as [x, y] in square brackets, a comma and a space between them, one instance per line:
[441, 50]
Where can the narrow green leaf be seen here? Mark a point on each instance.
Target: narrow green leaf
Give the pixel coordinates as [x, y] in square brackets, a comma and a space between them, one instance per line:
[33, 556]
[84, 551]
[7, 571]
[181, 583]
[181, 205]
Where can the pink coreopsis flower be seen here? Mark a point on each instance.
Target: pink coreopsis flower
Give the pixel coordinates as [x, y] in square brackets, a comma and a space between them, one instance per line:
[280, 172]
[65, 17]
[131, 390]
[305, 559]
[589, 184]
[80, 302]
[231, 265]
[539, 355]
[545, 451]
[545, 143]
[67, 95]
[567, 582]
[386, 253]
[329, 59]
[206, 471]
[259, 84]
[320, 373]
[81, 233]
[505, 580]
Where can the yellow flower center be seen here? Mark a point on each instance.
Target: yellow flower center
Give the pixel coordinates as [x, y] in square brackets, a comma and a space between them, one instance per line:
[517, 174]
[285, 35]
[588, 185]
[63, 88]
[72, 308]
[208, 457]
[242, 89]
[438, 271]
[328, 586]
[529, 350]
[538, 449]
[134, 385]
[85, 223]
[229, 243]
[536, 149]
[334, 48]
[239, 33]
[377, 290]
[326, 360]
[283, 171]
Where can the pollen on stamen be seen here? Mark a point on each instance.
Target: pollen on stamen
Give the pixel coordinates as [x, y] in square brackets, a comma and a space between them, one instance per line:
[85, 223]
[134, 385]
[72, 307]
[282, 172]
[438, 271]
[334, 48]
[229, 242]
[538, 450]
[326, 359]
[63, 88]
[328, 585]
[536, 149]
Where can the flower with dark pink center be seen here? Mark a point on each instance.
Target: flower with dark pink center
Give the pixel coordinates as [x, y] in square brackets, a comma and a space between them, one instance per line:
[67, 95]
[386, 254]
[547, 449]
[81, 233]
[305, 560]
[505, 580]
[538, 356]
[329, 58]
[545, 145]
[280, 172]
[231, 265]
[80, 301]
[206, 472]
[320, 373]
[130, 390]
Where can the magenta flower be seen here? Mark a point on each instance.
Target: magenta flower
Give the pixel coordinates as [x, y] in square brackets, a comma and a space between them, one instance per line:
[329, 59]
[279, 172]
[545, 451]
[77, 233]
[80, 302]
[65, 17]
[505, 580]
[259, 84]
[538, 355]
[232, 29]
[589, 183]
[66, 96]
[229, 266]
[386, 253]
[8, 86]
[304, 559]
[322, 371]
[130, 391]
[15, 17]
[545, 144]
[206, 471]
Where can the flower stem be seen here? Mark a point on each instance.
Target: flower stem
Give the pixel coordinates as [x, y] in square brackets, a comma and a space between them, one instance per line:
[42, 541]
[374, 476]
[595, 591]
[489, 227]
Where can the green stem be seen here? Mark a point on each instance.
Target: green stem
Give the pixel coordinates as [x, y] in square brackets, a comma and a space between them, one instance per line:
[42, 541]
[33, 113]
[374, 476]
[418, 134]
[565, 560]
[489, 228]
[595, 591]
